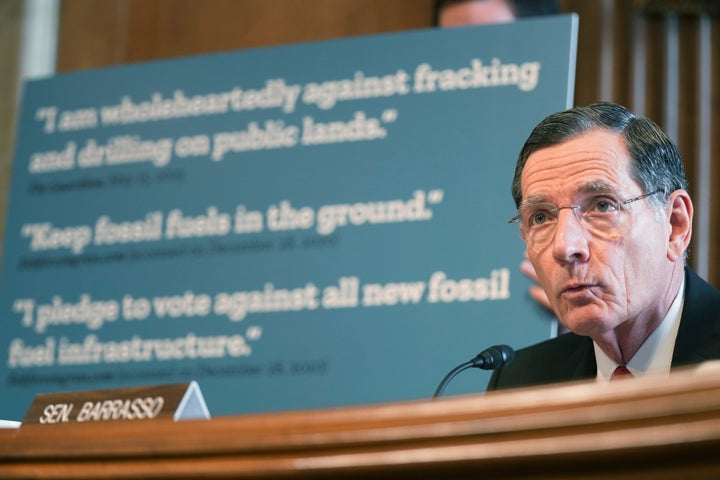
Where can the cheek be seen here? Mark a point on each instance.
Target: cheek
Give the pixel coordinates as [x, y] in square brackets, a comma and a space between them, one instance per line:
[644, 249]
[613, 265]
[641, 271]
[544, 265]
[644, 252]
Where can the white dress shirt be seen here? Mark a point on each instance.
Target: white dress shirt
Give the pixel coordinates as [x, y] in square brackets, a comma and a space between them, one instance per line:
[655, 355]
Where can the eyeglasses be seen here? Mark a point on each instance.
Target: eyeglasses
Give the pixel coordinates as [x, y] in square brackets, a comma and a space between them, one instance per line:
[600, 214]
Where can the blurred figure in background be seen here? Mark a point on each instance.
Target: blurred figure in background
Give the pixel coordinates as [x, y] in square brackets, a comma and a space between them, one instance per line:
[457, 13]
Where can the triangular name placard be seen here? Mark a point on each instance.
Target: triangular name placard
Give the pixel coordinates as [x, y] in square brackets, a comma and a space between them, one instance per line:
[182, 401]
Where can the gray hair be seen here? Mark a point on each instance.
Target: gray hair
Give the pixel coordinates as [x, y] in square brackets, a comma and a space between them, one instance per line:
[655, 159]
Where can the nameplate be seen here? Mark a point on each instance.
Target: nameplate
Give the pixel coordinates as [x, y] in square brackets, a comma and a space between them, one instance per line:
[179, 401]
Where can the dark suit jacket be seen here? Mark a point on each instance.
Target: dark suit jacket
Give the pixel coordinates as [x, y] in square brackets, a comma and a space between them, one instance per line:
[571, 357]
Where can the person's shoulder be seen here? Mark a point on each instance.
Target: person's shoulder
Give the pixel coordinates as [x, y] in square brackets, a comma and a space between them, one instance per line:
[696, 283]
[700, 296]
[559, 345]
[563, 358]
[698, 337]
[555, 351]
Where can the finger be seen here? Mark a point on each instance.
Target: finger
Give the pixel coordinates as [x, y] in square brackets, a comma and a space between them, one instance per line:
[528, 270]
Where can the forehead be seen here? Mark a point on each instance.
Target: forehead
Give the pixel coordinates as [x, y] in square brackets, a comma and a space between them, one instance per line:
[597, 156]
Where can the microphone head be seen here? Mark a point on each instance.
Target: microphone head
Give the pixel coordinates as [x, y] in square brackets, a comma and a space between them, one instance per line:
[494, 357]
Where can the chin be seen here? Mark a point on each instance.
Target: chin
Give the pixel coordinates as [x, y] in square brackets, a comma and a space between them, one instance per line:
[586, 323]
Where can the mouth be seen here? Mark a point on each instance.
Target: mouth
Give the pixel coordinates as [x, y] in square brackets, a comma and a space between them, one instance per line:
[576, 288]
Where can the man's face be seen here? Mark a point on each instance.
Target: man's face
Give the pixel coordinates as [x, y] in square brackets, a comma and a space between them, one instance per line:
[594, 280]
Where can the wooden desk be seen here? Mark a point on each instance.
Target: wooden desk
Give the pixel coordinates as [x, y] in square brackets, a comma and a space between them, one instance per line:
[653, 428]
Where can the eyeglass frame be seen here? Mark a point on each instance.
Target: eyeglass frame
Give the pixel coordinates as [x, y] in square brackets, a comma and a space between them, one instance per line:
[518, 218]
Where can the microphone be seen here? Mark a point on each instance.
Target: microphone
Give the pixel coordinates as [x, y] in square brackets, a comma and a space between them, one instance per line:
[489, 359]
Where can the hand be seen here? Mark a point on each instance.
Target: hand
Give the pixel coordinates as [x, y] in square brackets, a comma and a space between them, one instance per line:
[536, 292]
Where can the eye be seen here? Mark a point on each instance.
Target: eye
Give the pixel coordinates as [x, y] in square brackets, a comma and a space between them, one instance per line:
[602, 205]
[538, 215]
[538, 218]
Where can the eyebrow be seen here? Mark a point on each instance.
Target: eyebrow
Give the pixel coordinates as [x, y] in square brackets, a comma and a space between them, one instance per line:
[592, 186]
[597, 186]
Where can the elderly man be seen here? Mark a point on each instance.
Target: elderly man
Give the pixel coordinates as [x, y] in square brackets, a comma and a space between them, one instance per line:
[606, 218]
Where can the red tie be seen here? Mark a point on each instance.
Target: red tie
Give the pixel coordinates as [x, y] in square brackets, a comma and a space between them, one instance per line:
[621, 372]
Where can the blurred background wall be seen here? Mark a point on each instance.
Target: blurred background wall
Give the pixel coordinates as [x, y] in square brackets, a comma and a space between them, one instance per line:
[660, 58]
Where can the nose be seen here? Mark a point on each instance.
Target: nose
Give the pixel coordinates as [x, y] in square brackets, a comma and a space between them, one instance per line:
[570, 242]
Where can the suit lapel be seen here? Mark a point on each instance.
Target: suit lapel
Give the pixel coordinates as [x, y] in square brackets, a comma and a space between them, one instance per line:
[583, 360]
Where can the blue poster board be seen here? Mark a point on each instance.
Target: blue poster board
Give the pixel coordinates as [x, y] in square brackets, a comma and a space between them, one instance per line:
[297, 227]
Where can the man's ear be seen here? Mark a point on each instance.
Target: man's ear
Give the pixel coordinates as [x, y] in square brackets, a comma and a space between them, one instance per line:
[681, 216]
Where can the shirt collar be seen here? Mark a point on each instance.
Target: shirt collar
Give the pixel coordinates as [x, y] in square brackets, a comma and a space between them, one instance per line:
[655, 354]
